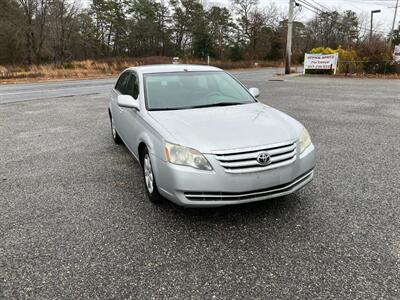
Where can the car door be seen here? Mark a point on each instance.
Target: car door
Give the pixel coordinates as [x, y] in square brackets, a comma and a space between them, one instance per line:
[130, 123]
[119, 89]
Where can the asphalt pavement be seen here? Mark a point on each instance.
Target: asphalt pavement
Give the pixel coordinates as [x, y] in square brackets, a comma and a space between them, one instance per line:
[10, 93]
[75, 222]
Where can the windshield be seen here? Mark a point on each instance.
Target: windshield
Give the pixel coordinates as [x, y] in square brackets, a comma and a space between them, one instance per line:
[184, 90]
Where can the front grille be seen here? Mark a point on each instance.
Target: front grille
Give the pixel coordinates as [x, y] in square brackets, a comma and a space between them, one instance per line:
[245, 161]
[230, 196]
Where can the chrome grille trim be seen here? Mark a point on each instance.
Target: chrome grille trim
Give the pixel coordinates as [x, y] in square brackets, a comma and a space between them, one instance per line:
[245, 161]
[231, 196]
[250, 155]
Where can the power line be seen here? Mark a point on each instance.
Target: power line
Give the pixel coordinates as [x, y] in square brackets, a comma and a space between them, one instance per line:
[313, 6]
[319, 4]
[318, 11]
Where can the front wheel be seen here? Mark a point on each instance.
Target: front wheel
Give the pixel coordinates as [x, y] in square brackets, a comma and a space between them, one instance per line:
[149, 180]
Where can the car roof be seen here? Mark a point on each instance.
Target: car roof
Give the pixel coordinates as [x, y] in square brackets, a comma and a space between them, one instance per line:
[172, 68]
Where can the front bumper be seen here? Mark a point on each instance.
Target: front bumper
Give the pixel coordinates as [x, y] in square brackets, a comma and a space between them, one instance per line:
[195, 188]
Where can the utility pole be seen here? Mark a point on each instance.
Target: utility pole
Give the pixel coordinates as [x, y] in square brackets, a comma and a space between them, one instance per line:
[288, 59]
[372, 21]
[394, 21]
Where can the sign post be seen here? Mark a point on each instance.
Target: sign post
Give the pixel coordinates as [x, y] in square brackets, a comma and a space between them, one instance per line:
[321, 62]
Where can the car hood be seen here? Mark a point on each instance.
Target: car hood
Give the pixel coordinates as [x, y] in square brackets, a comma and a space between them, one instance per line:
[226, 128]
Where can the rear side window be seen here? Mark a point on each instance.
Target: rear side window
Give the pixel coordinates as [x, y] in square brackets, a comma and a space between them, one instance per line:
[122, 82]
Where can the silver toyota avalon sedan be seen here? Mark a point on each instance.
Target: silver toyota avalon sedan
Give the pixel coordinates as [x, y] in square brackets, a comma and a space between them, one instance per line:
[203, 139]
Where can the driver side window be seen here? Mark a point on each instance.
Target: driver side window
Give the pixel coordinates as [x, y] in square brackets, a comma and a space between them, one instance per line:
[122, 83]
[132, 87]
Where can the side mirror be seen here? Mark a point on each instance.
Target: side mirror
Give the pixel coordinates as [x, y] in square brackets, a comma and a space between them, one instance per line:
[127, 101]
[255, 92]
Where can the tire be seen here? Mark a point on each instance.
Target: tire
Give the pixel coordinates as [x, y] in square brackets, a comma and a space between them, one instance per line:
[149, 179]
[114, 133]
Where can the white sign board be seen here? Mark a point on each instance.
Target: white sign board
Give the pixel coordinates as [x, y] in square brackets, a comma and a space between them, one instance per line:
[321, 62]
[396, 54]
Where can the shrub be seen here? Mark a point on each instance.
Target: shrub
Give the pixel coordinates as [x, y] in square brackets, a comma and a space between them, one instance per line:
[375, 57]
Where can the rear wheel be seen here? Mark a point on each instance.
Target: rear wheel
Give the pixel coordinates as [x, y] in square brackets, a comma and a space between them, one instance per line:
[149, 179]
[114, 132]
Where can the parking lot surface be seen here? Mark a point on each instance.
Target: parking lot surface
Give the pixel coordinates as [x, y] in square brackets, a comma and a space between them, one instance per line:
[75, 221]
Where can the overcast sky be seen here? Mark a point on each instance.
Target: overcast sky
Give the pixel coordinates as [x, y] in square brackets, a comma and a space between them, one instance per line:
[382, 21]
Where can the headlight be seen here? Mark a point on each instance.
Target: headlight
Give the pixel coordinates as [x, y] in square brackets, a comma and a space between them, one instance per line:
[304, 140]
[180, 155]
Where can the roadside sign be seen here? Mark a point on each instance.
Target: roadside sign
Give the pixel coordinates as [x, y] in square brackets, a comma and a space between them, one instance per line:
[396, 54]
[321, 62]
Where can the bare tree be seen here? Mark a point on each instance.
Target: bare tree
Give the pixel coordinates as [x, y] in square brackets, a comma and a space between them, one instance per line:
[244, 10]
[63, 16]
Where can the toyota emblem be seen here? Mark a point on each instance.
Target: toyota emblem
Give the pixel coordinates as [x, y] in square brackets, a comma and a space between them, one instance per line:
[263, 158]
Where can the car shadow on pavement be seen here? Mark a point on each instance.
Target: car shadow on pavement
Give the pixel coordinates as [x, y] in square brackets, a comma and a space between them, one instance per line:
[272, 207]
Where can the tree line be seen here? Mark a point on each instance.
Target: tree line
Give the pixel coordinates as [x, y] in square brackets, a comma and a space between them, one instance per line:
[56, 31]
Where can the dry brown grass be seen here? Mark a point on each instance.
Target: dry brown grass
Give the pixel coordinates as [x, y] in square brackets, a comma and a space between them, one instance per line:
[102, 68]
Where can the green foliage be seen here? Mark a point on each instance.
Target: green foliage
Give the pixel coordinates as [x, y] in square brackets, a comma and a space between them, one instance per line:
[236, 53]
[220, 28]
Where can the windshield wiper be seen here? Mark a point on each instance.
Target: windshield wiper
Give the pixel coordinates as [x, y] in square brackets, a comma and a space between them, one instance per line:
[199, 106]
[219, 104]
[162, 109]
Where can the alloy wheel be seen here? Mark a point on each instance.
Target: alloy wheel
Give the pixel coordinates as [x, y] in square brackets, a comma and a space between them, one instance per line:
[148, 174]
[113, 129]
